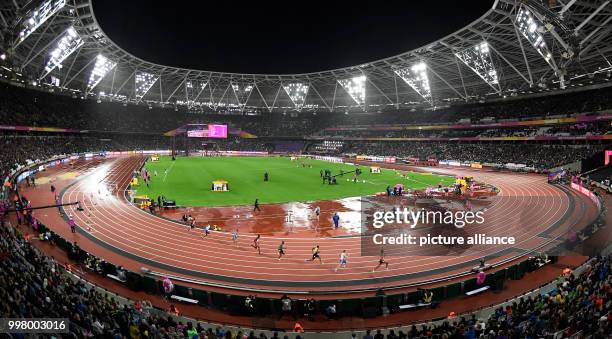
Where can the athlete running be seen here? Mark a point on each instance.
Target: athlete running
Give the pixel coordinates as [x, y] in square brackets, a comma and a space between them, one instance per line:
[256, 243]
[206, 231]
[381, 261]
[281, 249]
[235, 237]
[315, 254]
[343, 258]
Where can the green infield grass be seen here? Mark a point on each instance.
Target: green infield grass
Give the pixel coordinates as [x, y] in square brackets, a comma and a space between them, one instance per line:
[188, 180]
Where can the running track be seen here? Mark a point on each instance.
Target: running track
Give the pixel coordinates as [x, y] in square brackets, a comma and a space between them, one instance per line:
[527, 208]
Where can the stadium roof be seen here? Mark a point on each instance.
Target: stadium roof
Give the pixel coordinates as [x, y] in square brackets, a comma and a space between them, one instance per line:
[515, 48]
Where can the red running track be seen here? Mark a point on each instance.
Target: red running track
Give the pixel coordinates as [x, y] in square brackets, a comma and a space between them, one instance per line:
[528, 208]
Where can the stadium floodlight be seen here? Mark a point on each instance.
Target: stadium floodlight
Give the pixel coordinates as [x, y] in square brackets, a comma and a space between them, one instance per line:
[355, 87]
[529, 25]
[69, 42]
[193, 89]
[297, 92]
[416, 77]
[478, 59]
[101, 68]
[242, 93]
[37, 17]
[144, 82]
[54, 81]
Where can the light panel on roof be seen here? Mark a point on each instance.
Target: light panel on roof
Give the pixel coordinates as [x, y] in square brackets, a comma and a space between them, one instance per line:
[297, 92]
[54, 81]
[528, 25]
[101, 68]
[478, 59]
[193, 89]
[144, 82]
[37, 17]
[242, 93]
[69, 42]
[416, 77]
[355, 87]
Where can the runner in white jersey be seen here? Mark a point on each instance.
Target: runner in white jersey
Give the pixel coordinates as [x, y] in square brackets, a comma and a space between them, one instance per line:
[206, 231]
[343, 258]
[235, 237]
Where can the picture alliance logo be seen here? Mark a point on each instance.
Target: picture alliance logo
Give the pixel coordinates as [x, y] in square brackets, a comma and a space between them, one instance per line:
[414, 217]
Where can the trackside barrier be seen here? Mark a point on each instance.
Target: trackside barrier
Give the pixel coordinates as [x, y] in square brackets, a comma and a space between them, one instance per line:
[587, 192]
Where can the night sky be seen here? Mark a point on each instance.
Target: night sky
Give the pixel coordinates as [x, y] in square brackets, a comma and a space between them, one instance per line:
[278, 37]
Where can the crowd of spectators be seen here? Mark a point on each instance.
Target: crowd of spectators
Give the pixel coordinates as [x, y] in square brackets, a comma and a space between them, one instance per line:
[131, 127]
[564, 104]
[33, 285]
[537, 155]
[17, 150]
[580, 129]
[578, 305]
[32, 107]
[603, 128]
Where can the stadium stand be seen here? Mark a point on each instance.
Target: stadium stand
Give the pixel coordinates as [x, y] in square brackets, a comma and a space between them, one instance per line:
[540, 156]
[33, 107]
[128, 130]
[34, 285]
